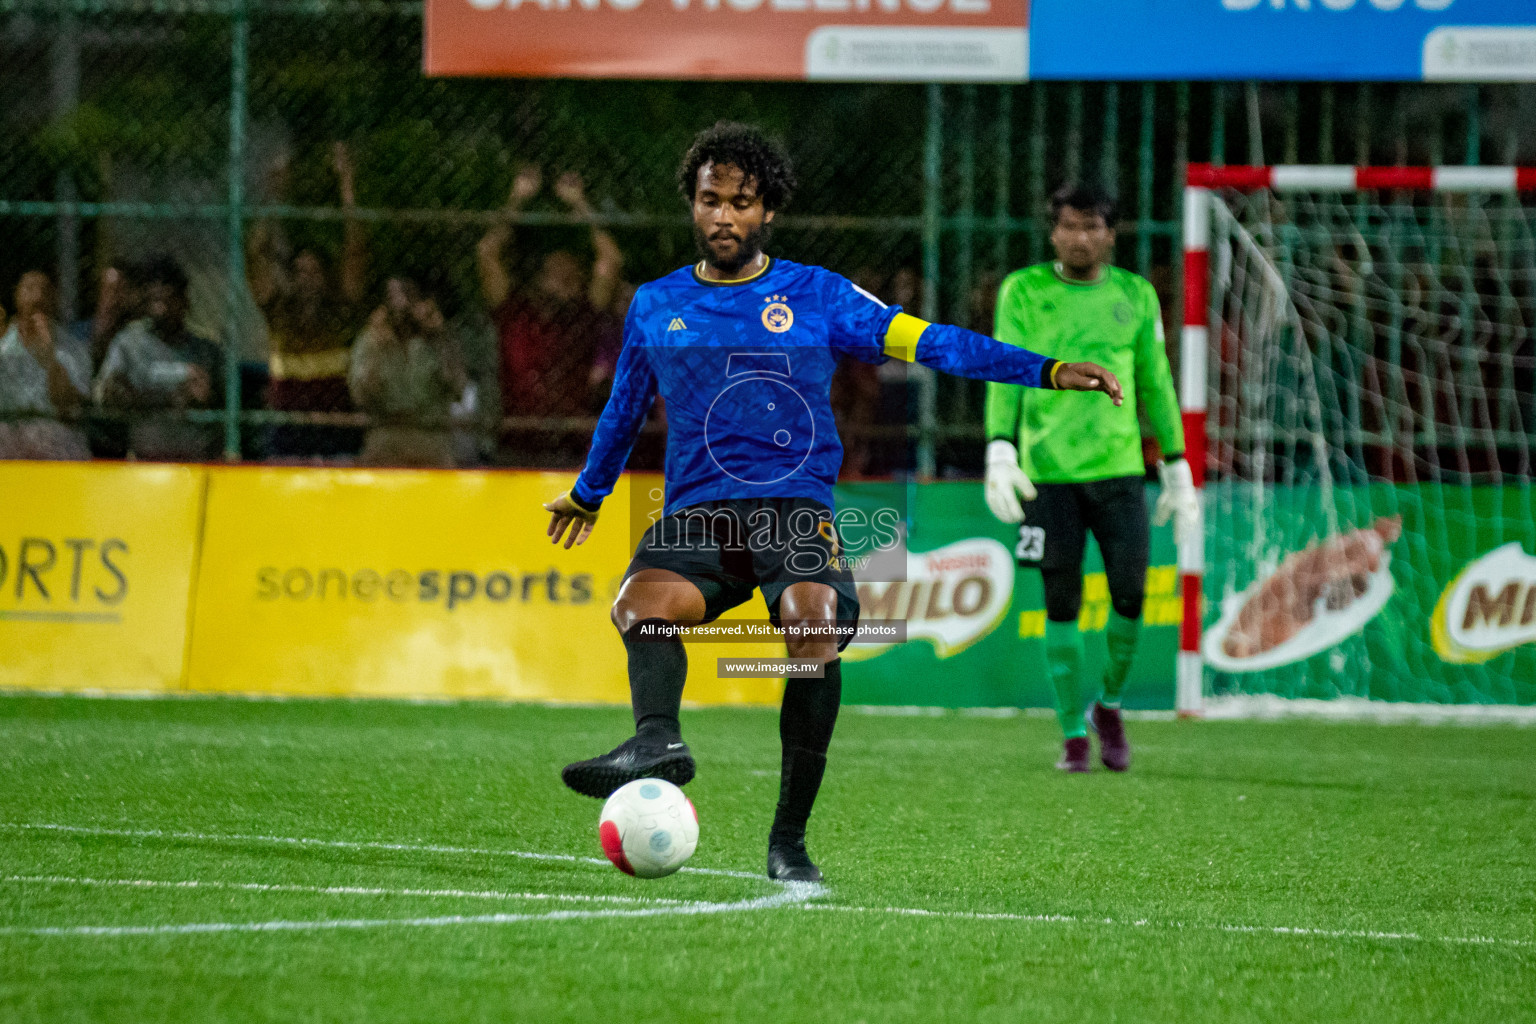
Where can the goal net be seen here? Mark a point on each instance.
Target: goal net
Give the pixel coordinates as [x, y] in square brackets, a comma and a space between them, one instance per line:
[1370, 418]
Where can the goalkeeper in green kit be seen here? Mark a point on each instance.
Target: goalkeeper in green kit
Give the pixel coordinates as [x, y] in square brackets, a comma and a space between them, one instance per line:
[1078, 463]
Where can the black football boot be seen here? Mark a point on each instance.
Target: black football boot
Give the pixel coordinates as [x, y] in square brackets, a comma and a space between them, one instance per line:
[633, 759]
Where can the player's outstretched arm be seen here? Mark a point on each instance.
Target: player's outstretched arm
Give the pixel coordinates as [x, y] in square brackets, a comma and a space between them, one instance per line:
[859, 322]
[565, 514]
[964, 353]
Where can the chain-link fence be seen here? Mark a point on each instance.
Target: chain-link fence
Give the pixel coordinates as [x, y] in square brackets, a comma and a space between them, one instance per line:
[382, 268]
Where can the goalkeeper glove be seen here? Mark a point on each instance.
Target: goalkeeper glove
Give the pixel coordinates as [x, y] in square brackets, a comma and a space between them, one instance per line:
[1006, 481]
[1178, 501]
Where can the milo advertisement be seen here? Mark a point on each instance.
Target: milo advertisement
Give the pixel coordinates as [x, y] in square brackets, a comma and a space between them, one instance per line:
[1399, 592]
[975, 622]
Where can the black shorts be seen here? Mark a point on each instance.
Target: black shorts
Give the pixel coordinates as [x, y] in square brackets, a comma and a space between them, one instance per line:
[1054, 533]
[729, 548]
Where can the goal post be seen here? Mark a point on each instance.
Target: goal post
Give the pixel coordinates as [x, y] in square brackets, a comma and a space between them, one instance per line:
[1358, 387]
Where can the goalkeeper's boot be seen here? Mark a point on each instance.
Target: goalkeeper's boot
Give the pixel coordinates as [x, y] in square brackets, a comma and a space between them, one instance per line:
[788, 861]
[633, 759]
[1074, 755]
[1114, 748]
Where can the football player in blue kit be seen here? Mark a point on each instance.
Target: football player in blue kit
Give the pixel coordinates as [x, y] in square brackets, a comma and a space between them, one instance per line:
[742, 347]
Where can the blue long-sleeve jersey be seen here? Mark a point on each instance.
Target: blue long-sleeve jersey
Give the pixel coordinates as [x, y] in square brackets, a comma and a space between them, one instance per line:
[745, 368]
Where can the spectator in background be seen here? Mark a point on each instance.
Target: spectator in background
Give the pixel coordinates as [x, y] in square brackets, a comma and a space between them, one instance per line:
[156, 369]
[310, 325]
[407, 373]
[556, 330]
[477, 413]
[117, 303]
[45, 376]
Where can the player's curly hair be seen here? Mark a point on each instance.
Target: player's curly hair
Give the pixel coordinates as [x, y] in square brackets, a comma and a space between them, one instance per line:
[744, 146]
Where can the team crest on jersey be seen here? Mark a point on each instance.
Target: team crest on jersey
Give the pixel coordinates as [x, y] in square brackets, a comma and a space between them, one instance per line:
[777, 316]
[1123, 312]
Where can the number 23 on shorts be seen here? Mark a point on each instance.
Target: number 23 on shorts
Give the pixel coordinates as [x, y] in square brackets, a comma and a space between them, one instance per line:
[1031, 545]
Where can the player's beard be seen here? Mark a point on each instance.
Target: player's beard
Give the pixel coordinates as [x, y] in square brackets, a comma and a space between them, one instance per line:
[751, 244]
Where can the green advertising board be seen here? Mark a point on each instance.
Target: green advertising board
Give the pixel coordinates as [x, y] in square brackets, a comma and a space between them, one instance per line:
[1454, 618]
[976, 623]
[1450, 608]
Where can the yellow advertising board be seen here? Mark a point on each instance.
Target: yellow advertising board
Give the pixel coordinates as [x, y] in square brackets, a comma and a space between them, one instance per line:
[416, 583]
[96, 565]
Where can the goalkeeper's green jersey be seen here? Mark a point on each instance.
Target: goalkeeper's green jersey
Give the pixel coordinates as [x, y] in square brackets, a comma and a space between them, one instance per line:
[1075, 436]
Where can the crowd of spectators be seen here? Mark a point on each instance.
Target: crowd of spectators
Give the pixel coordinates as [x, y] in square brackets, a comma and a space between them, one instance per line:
[45, 378]
[132, 365]
[391, 381]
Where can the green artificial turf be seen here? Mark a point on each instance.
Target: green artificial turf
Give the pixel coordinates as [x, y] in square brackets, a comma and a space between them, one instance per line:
[967, 880]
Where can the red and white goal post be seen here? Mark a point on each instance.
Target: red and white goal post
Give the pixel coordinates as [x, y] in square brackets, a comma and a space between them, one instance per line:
[1315, 325]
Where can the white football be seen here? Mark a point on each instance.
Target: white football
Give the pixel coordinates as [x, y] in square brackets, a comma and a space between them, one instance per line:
[648, 828]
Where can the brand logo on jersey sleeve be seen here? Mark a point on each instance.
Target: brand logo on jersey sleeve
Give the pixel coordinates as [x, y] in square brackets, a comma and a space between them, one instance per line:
[777, 316]
[677, 324]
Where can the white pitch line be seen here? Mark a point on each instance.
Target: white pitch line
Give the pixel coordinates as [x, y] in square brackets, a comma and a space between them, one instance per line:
[332, 890]
[1319, 933]
[790, 893]
[343, 844]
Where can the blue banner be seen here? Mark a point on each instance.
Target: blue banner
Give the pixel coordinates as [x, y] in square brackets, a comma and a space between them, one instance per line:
[1323, 40]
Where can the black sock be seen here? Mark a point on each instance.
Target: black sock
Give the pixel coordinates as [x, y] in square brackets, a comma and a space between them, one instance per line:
[657, 671]
[805, 730]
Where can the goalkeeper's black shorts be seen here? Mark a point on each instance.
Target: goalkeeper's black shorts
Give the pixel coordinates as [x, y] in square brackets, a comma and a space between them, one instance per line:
[729, 548]
[1056, 525]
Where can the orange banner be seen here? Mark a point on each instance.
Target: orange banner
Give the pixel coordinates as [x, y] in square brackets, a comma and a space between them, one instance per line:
[833, 40]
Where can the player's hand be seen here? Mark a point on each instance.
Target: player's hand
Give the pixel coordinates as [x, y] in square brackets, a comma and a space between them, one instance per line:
[526, 185]
[1088, 377]
[1006, 482]
[571, 191]
[198, 388]
[1179, 501]
[429, 319]
[382, 328]
[36, 335]
[565, 513]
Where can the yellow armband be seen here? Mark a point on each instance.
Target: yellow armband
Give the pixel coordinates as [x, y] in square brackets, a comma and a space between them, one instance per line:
[901, 337]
